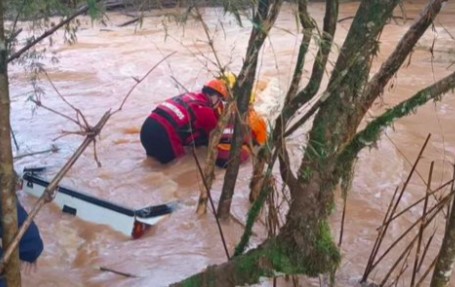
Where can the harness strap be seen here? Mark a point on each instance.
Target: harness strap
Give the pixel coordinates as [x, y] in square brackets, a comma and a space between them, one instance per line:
[186, 132]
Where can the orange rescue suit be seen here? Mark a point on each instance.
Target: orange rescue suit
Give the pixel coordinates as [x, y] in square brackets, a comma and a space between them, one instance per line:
[258, 128]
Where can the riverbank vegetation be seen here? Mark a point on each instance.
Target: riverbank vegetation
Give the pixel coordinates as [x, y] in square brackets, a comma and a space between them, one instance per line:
[304, 243]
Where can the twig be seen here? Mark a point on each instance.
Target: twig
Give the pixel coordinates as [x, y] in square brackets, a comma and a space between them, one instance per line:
[408, 248]
[370, 264]
[15, 33]
[53, 148]
[379, 238]
[129, 22]
[209, 169]
[424, 211]
[447, 31]
[47, 33]
[13, 135]
[419, 156]
[207, 189]
[39, 104]
[420, 200]
[140, 80]
[179, 84]
[51, 31]
[404, 267]
[49, 192]
[78, 111]
[427, 271]
[433, 211]
[425, 250]
[345, 18]
[210, 40]
[117, 272]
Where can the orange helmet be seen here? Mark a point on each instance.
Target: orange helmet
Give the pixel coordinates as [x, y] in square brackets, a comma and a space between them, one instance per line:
[217, 86]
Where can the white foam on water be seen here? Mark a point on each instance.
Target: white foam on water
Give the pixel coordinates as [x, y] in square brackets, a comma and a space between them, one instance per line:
[270, 101]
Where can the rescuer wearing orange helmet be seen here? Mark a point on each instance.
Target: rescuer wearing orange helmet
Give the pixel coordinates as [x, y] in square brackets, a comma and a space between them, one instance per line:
[184, 120]
[256, 123]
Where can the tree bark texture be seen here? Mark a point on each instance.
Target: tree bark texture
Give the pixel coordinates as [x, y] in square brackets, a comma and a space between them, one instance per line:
[265, 16]
[304, 244]
[7, 175]
[446, 258]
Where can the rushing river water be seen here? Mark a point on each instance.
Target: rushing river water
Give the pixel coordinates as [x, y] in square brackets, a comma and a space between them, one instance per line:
[97, 72]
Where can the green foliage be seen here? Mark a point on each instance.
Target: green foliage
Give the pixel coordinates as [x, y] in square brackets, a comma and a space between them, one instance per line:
[370, 135]
[253, 213]
[324, 256]
[236, 7]
[325, 244]
[34, 10]
[193, 281]
[281, 261]
[41, 16]
[94, 9]
[271, 261]
[306, 174]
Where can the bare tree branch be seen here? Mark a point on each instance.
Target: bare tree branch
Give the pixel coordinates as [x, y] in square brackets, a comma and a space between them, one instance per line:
[376, 85]
[140, 80]
[372, 131]
[49, 192]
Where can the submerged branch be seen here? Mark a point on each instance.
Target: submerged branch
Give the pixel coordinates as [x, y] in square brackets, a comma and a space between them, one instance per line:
[124, 274]
[53, 148]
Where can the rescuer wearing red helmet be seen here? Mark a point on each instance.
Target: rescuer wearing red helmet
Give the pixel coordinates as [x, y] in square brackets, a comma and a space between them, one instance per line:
[184, 120]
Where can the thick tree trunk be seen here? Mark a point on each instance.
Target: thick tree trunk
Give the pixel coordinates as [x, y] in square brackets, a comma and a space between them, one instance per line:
[304, 244]
[7, 176]
[446, 258]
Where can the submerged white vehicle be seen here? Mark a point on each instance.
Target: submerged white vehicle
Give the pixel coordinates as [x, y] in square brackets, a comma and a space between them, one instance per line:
[130, 222]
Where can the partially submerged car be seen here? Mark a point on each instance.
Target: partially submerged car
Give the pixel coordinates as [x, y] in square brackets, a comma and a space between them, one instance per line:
[131, 222]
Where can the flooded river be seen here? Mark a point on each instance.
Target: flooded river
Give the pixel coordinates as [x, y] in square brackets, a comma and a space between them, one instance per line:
[97, 72]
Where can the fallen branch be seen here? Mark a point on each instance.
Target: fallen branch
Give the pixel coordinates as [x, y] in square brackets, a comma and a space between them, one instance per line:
[117, 272]
[129, 22]
[53, 148]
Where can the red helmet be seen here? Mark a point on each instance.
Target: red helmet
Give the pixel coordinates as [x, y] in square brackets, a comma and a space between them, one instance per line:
[217, 86]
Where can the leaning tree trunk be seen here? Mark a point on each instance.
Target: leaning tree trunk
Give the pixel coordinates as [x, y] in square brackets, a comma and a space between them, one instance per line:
[306, 228]
[7, 176]
[446, 258]
[267, 12]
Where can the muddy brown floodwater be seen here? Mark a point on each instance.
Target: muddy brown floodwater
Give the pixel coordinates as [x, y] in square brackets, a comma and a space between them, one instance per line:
[96, 73]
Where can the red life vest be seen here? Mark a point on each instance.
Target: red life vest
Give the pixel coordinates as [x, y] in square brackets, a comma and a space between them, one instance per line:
[178, 112]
